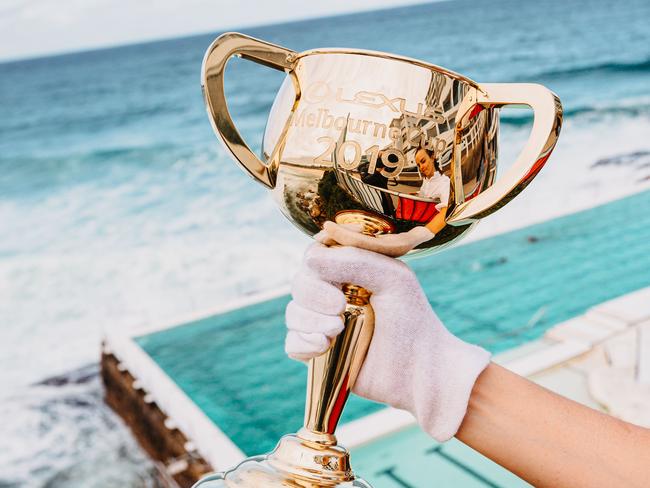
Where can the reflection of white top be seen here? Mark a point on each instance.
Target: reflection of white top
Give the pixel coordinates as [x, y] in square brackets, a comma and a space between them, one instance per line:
[436, 187]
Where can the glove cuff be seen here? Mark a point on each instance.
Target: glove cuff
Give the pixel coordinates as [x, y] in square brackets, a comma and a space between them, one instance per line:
[443, 383]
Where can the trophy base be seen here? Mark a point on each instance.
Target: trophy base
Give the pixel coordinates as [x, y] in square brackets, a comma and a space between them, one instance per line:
[370, 223]
[305, 460]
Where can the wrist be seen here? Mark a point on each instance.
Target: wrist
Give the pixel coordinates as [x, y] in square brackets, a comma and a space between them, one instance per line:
[443, 380]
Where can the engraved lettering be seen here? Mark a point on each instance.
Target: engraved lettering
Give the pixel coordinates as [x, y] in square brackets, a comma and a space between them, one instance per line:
[355, 125]
[327, 153]
[413, 136]
[364, 98]
[349, 155]
[328, 120]
[299, 120]
[373, 153]
[356, 158]
[317, 92]
[340, 123]
[320, 91]
[322, 118]
[339, 96]
[392, 158]
[377, 128]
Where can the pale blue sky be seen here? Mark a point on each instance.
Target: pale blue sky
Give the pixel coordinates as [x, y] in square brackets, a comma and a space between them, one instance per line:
[35, 27]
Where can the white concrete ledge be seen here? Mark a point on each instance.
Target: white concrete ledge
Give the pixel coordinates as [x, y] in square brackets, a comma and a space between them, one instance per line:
[621, 350]
[146, 327]
[589, 329]
[631, 308]
[213, 445]
[547, 358]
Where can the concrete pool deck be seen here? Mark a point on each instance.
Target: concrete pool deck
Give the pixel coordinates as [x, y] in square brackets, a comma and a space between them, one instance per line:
[555, 301]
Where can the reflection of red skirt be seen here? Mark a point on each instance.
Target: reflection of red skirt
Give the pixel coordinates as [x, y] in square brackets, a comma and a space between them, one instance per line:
[415, 210]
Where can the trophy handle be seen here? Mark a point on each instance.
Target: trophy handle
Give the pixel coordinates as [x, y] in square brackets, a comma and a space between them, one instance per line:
[212, 74]
[547, 110]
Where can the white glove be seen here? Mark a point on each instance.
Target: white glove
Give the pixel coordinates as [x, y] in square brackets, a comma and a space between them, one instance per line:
[388, 244]
[413, 362]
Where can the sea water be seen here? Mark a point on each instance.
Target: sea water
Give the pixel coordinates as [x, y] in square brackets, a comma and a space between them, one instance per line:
[118, 206]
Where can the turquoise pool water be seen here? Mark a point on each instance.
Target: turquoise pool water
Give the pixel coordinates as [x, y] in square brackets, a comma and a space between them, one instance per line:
[498, 292]
[411, 459]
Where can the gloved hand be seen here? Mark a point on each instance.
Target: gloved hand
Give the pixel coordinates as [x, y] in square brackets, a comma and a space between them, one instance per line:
[388, 244]
[413, 362]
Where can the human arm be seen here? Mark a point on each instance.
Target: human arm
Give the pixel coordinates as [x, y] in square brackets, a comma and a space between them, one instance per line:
[549, 440]
[438, 222]
[415, 364]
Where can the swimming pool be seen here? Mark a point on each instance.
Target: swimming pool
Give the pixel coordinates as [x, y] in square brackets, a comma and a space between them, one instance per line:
[499, 292]
[411, 459]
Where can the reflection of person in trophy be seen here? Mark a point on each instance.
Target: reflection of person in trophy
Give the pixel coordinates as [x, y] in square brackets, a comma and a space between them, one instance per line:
[435, 186]
[451, 387]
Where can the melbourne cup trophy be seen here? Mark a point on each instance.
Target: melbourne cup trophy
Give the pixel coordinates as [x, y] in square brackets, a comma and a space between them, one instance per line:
[397, 154]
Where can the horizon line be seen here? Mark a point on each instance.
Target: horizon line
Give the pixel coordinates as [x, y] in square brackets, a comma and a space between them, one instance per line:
[154, 40]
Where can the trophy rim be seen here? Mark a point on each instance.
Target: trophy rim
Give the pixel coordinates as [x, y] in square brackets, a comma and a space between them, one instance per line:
[385, 55]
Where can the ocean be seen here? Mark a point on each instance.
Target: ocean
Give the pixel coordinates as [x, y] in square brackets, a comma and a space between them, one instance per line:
[119, 207]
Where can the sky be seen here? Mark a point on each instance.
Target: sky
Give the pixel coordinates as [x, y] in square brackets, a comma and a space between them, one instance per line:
[37, 27]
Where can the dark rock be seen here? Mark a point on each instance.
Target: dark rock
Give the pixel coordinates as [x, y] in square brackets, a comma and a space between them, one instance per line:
[79, 376]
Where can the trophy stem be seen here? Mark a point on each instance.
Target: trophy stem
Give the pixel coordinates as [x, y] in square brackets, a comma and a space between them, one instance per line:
[332, 375]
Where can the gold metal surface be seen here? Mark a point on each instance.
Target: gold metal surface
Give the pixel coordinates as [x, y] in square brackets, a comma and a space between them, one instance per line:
[332, 375]
[212, 74]
[346, 126]
[312, 458]
[386, 143]
[293, 463]
[368, 223]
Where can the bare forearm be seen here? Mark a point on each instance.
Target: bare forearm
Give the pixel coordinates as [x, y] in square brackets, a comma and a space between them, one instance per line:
[549, 440]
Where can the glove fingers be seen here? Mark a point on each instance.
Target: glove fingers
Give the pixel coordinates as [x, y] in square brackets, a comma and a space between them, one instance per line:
[358, 266]
[300, 319]
[303, 346]
[312, 293]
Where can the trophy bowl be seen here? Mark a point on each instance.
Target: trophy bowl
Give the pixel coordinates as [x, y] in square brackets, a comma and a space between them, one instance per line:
[387, 145]
[348, 127]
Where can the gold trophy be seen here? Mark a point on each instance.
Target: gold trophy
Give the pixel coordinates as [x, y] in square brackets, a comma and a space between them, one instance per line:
[388, 144]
